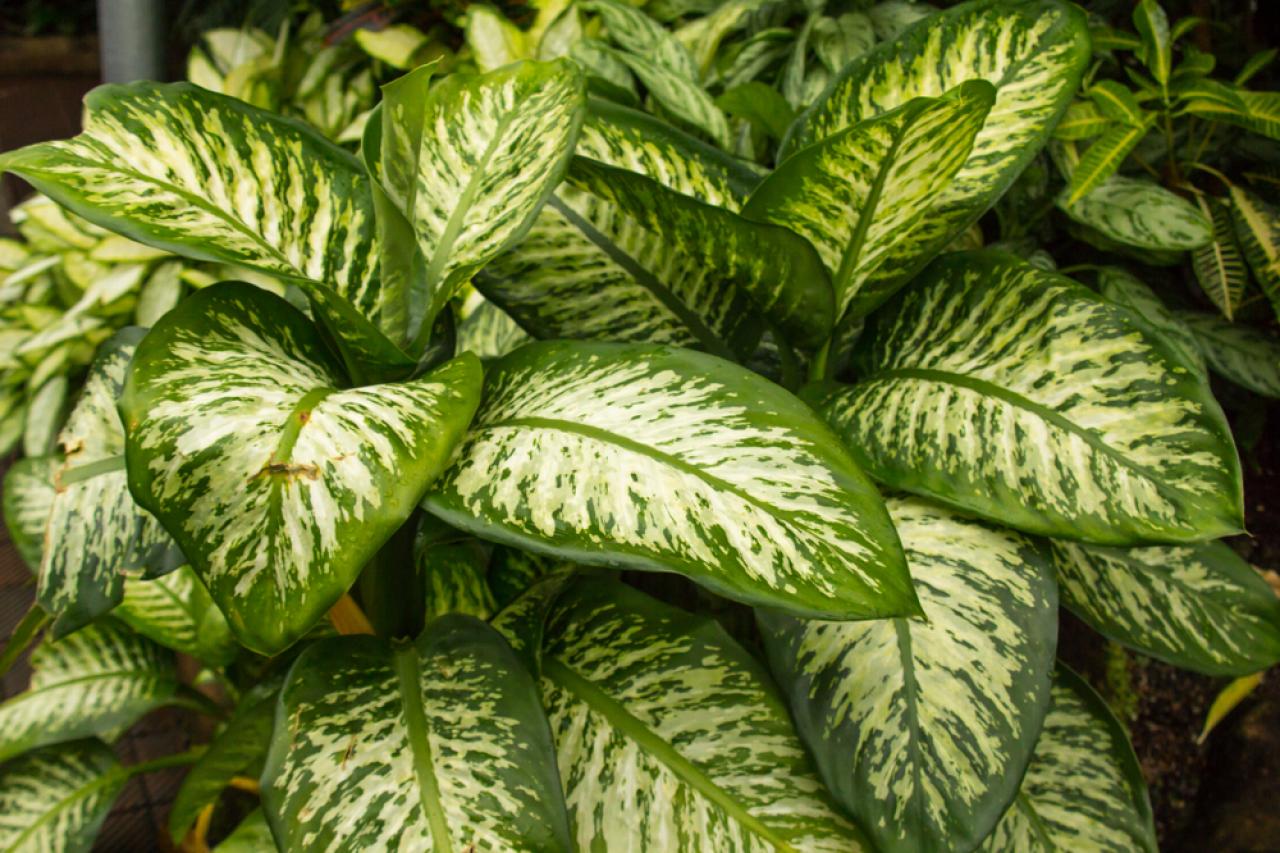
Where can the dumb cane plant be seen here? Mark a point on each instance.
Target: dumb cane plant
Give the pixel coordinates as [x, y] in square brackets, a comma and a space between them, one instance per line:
[774, 382]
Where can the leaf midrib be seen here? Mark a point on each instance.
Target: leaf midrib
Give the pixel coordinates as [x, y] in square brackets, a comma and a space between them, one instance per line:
[124, 674]
[409, 677]
[911, 690]
[624, 721]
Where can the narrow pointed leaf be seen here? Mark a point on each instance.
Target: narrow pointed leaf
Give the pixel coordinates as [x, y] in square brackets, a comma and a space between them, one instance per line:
[436, 745]
[1219, 265]
[858, 193]
[1082, 120]
[28, 497]
[662, 459]
[1258, 230]
[1245, 355]
[1140, 213]
[1062, 416]
[681, 97]
[1116, 102]
[54, 800]
[93, 682]
[1255, 111]
[1103, 158]
[1123, 289]
[176, 611]
[278, 483]
[637, 33]
[686, 745]
[1157, 42]
[1083, 789]
[924, 754]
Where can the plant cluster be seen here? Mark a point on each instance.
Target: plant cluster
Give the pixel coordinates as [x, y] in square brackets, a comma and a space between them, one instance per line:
[705, 289]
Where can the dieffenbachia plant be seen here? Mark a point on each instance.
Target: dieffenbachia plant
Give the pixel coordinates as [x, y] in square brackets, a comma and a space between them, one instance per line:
[533, 333]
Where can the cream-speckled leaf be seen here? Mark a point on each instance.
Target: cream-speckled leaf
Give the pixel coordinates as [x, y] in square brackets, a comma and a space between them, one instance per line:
[55, 799]
[28, 496]
[670, 736]
[1219, 266]
[1034, 53]
[1083, 789]
[177, 612]
[859, 194]
[277, 480]
[921, 728]
[487, 330]
[662, 459]
[681, 97]
[435, 745]
[1196, 606]
[1245, 355]
[1061, 416]
[93, 682]
[469, 163]
[453, 568]
[1120, 287]
[208, 176]
[96, 533]
[1140, 213]
[1258, 230]
[638, 34]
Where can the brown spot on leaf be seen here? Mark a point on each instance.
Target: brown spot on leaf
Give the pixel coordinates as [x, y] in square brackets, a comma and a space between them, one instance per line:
[288, 471]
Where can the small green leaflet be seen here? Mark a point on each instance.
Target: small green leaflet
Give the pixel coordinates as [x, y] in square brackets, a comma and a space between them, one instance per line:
[1219, 265]
[1245, 355]
[686, 745]
[439, 744]
[858, 193]
[176, 611]
[1140, 213]
[1103, 158]
[54, 800]
[93, 682]
[1123, 289]
[1062, 416]
[1196, 606]
[1083, 789]
[662, 459]
[28, 496]
[1258, 230]
[277, 482]
[468, 164]
[922, 752]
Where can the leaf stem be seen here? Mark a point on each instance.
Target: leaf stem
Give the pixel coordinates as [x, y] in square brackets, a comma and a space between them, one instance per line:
[23, 635]
[348, 618]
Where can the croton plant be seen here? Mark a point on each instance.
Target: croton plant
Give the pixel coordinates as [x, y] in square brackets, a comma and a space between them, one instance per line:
[541, 334]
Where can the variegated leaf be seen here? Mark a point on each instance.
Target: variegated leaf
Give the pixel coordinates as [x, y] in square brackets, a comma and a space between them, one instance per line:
[95, 532]
[638, 34]
[1196, 606]
[858, 193]
[921, 728]
[523, 621]
[54, 800]
[208, 176]
[1034, 53]
[1082, 120]
[1124, 289]
[487, 330]
[1083, 789]
[1060, 415]
[670, 736]
[28, 497]
[1157, 44]
[663, 459]
[1140, 213]
[1245, 355]
[177, 612]
[1258, 230]
[1218, 265]
[468, 164]
[512, 571]
[682, 98]
[277, 481]
[453, 567]
[94, 682]
[1103, 158]
[439, 744]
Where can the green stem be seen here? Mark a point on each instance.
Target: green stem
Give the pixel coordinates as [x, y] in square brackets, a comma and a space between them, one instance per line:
[821, 359]
[91, 469]
[180, 759]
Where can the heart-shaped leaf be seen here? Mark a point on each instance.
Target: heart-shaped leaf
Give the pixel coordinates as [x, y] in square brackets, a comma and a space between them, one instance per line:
[664, 459]
[55, 799]
[1142, 214]
[278, 483]
[923, 752]
[686, 740]
[439, 744]
[1245, 355]
[1061, 416]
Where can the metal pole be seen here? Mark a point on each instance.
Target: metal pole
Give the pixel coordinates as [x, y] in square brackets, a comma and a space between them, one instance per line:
[131, 38]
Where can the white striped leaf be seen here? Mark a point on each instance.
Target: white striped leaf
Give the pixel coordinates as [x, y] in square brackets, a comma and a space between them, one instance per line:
[278, 482]
[1258, 230]
[54, 800]
[1140, 213]
[1124, 289]
[1196, 606]
[1034, 53]
[93, 682]
[921, 728]
[437, 745]
[28, 497]
[95, 533]
[1245, 355]
[670, 736]
[1219, 265]
[1103, 158]
[468, 164]
[1083, 789]
[1059, 414]
[453, 568]
[485, 329]
[859, 193]
[177, 612]
[663, 459]
[637, 33]
[207, 176]
[681, 97]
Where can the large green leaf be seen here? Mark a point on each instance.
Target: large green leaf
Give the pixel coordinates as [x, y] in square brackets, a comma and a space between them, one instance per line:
[278, 483]
[1219, 266]
[670, 736]
[1248, 356]
[28, 497]
[1083, 789]
[1140, 213]
[468, 163]
[1124, 289]
[1258, 230]
[1034, 53]
[439, 744]
[857, 194]
[1196, 606]
[207, 176]
[1059, 415]
[921, 728]
[664, 459]
[177, 612]
[93, 682]
[95, 532]
[55, 799]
